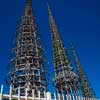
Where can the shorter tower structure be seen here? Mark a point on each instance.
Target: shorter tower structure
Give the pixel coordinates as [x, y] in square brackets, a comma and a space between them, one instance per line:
[86, 89]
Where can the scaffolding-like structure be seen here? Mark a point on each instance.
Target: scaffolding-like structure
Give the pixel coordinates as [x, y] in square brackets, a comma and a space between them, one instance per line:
[85, 86]
[29, 71]
[66, 81]
[27, 63]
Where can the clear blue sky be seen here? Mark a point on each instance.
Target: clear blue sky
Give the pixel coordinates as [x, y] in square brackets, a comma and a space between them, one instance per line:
[77, 20]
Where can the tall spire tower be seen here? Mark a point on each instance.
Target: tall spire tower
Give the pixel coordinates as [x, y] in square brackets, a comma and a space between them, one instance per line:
[65, 79]
[28, 68]
[87, 90]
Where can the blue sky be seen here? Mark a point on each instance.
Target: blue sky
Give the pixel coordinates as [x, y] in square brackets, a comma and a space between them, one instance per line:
[77, 20]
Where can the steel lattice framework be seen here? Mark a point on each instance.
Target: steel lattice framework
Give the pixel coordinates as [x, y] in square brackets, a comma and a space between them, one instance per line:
[29, 71]
[28, 68]
[66, 80]
[86, 88]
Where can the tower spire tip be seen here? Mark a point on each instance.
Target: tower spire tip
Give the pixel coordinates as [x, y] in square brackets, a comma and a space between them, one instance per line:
[28, 7]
